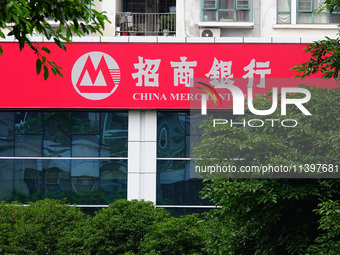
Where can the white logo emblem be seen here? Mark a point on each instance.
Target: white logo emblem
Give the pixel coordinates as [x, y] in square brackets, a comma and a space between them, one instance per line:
[95, 75]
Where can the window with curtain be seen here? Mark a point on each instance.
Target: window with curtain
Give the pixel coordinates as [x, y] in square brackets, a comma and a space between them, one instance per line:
[226, 10]
[284, 11]
[306, 13]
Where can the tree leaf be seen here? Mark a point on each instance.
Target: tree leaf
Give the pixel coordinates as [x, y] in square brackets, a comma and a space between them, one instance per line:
[46, 73]
[38, 66]
[46, 50]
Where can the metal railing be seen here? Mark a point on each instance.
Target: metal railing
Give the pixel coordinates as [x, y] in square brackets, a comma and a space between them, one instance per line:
[145, 24]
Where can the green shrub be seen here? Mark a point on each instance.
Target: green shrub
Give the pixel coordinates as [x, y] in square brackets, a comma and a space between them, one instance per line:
[328, 242]
[175, 236]
[117, 229]
[37, 228]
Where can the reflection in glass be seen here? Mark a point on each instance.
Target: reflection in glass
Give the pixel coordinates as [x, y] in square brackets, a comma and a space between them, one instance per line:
[85, 123]
[28, 145]
[113, 180]
[28, 123]
[47, 137]
[85, 146]
[171, 134]
[57, 179]
[176, 186]
[28, 180]
[114, 134]
[85, 181]
[6, 179]
[57, 134]
[6, 134]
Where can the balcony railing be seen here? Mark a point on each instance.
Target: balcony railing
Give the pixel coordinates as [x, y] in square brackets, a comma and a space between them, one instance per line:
[145, 24]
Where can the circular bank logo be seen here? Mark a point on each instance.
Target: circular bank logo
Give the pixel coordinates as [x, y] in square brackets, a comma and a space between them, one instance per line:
[95, 75]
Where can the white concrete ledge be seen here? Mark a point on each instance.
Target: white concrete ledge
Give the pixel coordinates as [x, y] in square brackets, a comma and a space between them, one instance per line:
[142, 39]
[229, 39]
[172, 39]
[7, 39]
[87, 38]
[221, 24]
[36, 38]
[311, 39]
[114, 39]
[257, 39]
[286, 40]
[307, 26]
[200, 39]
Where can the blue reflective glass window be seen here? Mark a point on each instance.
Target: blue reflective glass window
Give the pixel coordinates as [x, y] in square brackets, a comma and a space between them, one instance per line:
[171, 133]
[176, 186]
[85, 123]
[57, 134]
[6, 134]
[114, 134]
[28, 123]
[6, 179]
[57, 179]
[85, 146]
[54, 139]
[28, 145]
[28, 183]
[85, 181]
[113, 180]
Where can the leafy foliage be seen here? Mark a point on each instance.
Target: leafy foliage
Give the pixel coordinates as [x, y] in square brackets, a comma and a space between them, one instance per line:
[114, 230]
[325, 57]
[328, 241]
[24, 19]
[175, 236]
[37, 228]
[325, 54]
[273, 216]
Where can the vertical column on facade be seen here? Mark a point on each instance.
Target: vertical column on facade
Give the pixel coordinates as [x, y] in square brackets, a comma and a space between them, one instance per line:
[110, 7]
[180, 18]
[142, 150]
[293, 9]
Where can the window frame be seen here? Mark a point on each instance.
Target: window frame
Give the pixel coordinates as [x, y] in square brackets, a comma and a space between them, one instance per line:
[218, 11]
[294, 14]
[284, 12]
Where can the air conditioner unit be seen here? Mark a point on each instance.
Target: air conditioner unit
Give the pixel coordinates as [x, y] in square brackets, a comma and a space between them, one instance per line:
[210, 32]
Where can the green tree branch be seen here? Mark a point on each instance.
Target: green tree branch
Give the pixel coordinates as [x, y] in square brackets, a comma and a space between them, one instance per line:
[23, 19]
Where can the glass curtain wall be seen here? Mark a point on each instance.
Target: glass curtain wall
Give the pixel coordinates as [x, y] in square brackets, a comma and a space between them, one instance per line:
[176, 186]
[77, 156]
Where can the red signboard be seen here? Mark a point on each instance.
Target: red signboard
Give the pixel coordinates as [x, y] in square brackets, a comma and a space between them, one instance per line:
[136, 75]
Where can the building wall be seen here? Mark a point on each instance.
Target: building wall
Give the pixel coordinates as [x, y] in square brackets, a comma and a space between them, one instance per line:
[143, 124]
[263, 24]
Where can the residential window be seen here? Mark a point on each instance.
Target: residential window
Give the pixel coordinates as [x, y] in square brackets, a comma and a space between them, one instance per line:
[226, 10]
[284, 11]
[306, 12]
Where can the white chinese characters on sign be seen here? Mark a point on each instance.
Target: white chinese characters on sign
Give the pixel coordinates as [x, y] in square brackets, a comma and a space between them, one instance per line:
[183, 72]
[259, 68]
[146, 73]
[220, 74]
